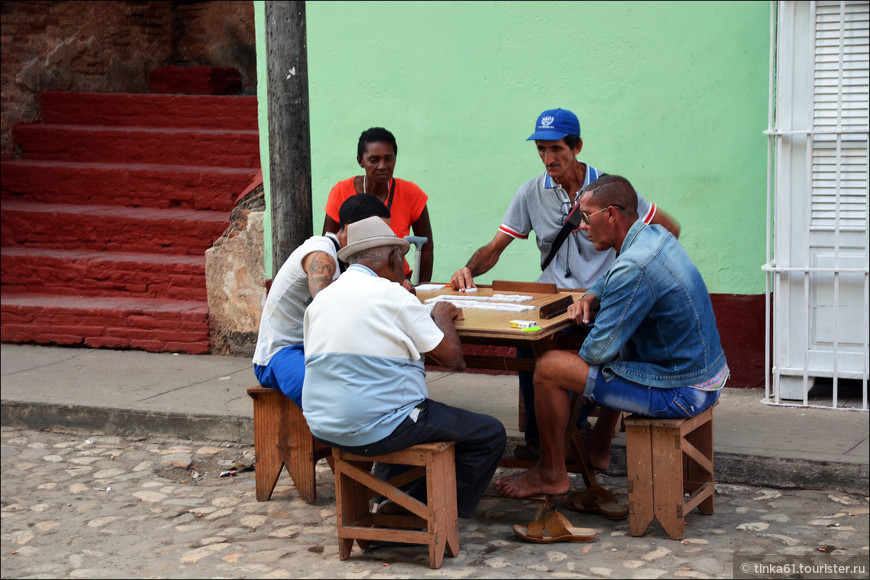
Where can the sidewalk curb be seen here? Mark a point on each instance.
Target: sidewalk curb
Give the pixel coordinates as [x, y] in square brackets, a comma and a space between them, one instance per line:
[128, 422]
[733, 468]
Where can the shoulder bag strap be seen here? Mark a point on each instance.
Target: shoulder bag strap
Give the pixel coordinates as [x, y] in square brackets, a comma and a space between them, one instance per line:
[572, 222]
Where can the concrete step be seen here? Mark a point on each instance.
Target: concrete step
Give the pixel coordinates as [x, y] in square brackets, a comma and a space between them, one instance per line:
[104, 144]
[110, 228]
[150, 110]
[154, 325]
[83, 273]
[133, 185]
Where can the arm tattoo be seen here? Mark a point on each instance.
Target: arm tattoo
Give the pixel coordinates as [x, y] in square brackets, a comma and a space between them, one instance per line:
[321, 268]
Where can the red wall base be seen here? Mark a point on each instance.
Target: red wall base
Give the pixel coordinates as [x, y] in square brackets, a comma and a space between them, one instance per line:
[740, 318]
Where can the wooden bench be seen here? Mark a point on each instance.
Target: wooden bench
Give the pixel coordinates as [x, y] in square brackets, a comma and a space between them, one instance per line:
[282, 438]
[433, 523]
[670, 470]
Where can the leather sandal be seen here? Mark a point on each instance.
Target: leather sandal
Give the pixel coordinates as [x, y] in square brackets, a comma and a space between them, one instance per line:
[596, 500]
[554, 528]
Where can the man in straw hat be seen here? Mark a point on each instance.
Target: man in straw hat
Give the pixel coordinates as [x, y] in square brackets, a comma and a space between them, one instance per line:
[365, 383]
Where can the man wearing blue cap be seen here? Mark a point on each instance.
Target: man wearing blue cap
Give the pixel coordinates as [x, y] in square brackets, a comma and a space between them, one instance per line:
[568, 260]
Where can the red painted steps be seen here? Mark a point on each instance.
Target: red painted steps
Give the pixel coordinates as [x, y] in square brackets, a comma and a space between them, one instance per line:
[110, 228]
[107, 216]
[133, 110]
[101, 144]
[150, 185]
[154, 325]
[87, 273]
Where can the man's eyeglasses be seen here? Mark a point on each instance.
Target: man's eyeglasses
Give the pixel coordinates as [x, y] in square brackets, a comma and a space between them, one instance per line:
[585, 216]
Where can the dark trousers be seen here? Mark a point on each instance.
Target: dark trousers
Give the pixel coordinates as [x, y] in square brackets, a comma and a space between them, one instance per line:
[480, 443]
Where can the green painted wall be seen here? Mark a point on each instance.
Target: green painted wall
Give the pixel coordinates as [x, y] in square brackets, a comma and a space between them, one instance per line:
[263, 117]
[672, 95]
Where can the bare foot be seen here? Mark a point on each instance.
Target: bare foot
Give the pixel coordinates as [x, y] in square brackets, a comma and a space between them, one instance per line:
[532, 482]
[501, 483]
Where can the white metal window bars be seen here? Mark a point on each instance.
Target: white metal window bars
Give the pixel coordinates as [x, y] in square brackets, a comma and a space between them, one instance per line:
[773, 271]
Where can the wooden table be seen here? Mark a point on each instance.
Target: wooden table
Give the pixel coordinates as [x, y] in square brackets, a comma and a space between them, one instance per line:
[492, 327]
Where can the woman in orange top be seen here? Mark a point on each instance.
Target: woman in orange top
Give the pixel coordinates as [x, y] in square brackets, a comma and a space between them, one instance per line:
[376, 153]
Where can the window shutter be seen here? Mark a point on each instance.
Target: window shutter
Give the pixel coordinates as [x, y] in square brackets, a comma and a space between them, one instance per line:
[841, 103]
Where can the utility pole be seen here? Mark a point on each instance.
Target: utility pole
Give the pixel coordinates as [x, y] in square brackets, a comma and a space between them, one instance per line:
[289, 130]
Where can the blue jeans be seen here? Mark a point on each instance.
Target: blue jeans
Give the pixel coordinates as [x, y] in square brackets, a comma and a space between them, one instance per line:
[672, 403]
[480, 443]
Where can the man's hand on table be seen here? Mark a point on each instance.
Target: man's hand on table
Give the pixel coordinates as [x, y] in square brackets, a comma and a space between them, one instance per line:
[584, 310]
[448, 353]
[462, 280]
[446, 312]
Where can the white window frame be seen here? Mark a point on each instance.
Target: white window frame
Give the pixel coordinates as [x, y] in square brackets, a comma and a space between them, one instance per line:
[815, 123]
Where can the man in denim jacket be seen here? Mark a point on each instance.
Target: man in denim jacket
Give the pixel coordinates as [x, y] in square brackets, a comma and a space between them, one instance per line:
[654, 349]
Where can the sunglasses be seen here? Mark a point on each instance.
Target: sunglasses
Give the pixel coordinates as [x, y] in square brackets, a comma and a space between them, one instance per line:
[585, 216]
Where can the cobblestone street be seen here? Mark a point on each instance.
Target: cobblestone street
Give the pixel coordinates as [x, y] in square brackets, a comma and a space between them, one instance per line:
[83, 505]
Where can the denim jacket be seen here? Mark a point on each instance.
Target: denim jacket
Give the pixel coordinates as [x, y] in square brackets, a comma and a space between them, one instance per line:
[655, 314]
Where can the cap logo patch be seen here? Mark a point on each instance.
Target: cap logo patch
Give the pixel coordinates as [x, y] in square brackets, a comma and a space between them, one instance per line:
[547, 121]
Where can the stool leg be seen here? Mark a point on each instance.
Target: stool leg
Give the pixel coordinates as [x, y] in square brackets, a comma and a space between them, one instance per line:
[267, 426]
[297, 446]
[351, 502]
[668, 480]
[452, 517]
[441, 499]
[343, 499]
[639, 458]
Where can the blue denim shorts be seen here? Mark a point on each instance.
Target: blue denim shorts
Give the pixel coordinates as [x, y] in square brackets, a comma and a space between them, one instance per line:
[623, 395]
[285, 372]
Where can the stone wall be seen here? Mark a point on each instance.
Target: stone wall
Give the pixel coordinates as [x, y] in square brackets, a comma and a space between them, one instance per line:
[235, 277]
[217, 34]
[112, 47]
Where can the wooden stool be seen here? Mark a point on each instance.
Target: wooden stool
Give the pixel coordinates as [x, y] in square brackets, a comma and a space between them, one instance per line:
[355, 486]
[282, 437]
[666, 459]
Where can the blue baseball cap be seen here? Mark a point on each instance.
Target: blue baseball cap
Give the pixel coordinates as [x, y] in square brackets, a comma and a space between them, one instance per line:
[555, 124]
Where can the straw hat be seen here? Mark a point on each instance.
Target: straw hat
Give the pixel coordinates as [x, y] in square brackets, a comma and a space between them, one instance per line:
[370, 233]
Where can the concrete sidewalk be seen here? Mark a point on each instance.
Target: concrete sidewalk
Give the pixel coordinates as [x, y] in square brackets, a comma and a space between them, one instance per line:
[203, 398]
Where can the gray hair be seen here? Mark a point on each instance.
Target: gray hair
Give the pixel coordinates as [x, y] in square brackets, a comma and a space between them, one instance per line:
[376, 255]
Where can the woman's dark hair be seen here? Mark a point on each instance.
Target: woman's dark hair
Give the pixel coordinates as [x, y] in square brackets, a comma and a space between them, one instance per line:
[375, 135]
